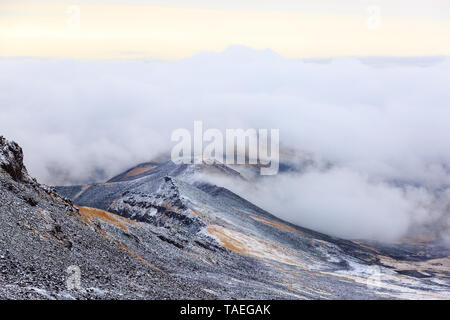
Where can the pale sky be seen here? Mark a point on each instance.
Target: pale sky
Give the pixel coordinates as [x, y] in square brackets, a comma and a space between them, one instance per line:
[156, 29]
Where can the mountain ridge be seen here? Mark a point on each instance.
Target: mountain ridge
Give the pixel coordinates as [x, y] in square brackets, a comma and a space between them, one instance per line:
[167, 235]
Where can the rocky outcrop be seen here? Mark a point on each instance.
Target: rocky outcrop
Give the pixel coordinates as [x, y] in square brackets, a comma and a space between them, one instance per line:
[11, 160]
[162, 208]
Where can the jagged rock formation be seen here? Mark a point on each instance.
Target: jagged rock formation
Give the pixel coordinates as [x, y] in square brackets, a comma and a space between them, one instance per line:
[11, 160]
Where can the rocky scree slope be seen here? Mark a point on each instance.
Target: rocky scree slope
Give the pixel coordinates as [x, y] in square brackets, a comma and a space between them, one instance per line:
[44, 237]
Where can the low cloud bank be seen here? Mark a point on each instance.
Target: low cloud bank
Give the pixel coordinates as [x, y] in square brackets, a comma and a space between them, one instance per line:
[384, 124]
[344, 203]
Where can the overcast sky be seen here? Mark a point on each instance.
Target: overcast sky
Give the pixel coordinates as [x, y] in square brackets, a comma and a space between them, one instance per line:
[177, 29]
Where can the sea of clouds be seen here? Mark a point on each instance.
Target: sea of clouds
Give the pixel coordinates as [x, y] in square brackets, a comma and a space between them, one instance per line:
[383, 124]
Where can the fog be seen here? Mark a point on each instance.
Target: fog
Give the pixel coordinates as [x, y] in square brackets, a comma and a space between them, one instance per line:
[383, 124]
[344, 203]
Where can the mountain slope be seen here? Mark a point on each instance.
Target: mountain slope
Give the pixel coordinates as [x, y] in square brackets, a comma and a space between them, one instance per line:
[43, 237]
[236, 250]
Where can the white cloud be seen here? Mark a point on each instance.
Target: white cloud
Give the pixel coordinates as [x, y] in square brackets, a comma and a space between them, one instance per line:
[343, 203]
[379, 124]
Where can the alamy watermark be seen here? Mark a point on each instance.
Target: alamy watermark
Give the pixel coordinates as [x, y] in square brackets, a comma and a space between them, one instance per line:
[374, 279]
[73, 17]
[374, 19]
[73, 281]
[237, 146]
